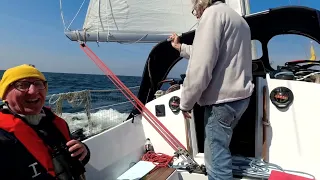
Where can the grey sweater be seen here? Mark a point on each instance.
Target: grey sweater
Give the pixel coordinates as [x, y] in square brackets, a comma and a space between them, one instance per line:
[220, 62]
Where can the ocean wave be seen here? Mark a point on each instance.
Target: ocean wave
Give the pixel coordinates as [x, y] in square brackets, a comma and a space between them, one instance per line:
[101, 120]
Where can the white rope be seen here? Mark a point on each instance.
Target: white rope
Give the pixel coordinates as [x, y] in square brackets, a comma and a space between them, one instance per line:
[109, 90]
[102, 24]
[109, 7]
[76, 13]
[81, 98]
[68, 28]
[111, 11]
[194, 25]
[111, 105]
[304, 77]
[256, 168]
[75, 99]
[96, 91]
[62, 18]
[84, 35]
[133, 42]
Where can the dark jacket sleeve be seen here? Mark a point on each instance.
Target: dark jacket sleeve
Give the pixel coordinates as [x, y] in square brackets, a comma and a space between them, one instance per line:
[7, 157]
[15, 160]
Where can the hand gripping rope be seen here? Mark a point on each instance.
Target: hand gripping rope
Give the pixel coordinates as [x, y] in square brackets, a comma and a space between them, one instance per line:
[154, 122]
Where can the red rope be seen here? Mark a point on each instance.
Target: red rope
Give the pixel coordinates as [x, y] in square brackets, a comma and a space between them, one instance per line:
[122, 87]
[159, 159]
[154, 122]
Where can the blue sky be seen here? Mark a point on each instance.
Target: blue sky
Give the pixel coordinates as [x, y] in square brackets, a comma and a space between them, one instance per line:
[32, 32]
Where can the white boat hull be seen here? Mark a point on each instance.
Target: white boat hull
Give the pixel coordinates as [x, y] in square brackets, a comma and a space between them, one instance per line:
[292, 136]
[115, 150]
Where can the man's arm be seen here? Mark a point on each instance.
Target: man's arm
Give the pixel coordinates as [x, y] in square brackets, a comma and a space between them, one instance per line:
[185, 50]
[204, 56]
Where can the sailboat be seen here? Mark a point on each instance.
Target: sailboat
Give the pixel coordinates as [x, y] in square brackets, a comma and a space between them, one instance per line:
[278, 132]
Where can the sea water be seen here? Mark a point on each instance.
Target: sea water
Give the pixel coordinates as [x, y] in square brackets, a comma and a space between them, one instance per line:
[107, 108]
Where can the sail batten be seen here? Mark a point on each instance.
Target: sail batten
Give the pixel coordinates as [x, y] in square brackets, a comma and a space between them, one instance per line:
[139, 20]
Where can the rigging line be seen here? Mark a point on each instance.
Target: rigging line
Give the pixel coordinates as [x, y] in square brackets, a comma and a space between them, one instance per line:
[153, 118]
[112, 80]
[142, 107]
[157, 128]
[112, 14]
[76, 13]
[175, 144]
[62, 17]
[98, 33]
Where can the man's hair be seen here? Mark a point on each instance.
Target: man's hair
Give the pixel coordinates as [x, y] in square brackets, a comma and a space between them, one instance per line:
[205, 3]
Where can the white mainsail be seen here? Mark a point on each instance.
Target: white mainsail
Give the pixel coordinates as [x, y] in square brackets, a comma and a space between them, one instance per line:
[139, 20]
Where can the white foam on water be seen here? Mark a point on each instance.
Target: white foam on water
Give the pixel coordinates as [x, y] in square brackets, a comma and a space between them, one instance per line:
[101, 120]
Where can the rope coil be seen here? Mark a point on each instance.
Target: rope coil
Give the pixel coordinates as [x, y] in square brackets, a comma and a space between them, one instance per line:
[159, 159]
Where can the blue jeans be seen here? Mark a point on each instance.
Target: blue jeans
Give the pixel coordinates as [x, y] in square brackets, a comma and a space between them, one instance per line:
[219, 122]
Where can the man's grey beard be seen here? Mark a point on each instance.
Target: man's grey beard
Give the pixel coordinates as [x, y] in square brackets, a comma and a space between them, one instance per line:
[34, 119]
[31, 119]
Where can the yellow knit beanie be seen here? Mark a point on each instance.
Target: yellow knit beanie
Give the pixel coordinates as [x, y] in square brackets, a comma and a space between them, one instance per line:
[18, 72]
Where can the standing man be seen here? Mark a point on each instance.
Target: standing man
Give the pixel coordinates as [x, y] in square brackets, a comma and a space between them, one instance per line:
[218, 77]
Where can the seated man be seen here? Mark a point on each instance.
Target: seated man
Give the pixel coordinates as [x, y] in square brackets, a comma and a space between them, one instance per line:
[34, 142]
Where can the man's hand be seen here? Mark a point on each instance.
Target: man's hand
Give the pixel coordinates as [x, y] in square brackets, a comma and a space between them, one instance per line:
[175, 41]
[186, 114]
[77, 148]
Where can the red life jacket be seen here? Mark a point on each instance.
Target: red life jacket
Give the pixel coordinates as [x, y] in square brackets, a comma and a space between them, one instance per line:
[30, 139]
